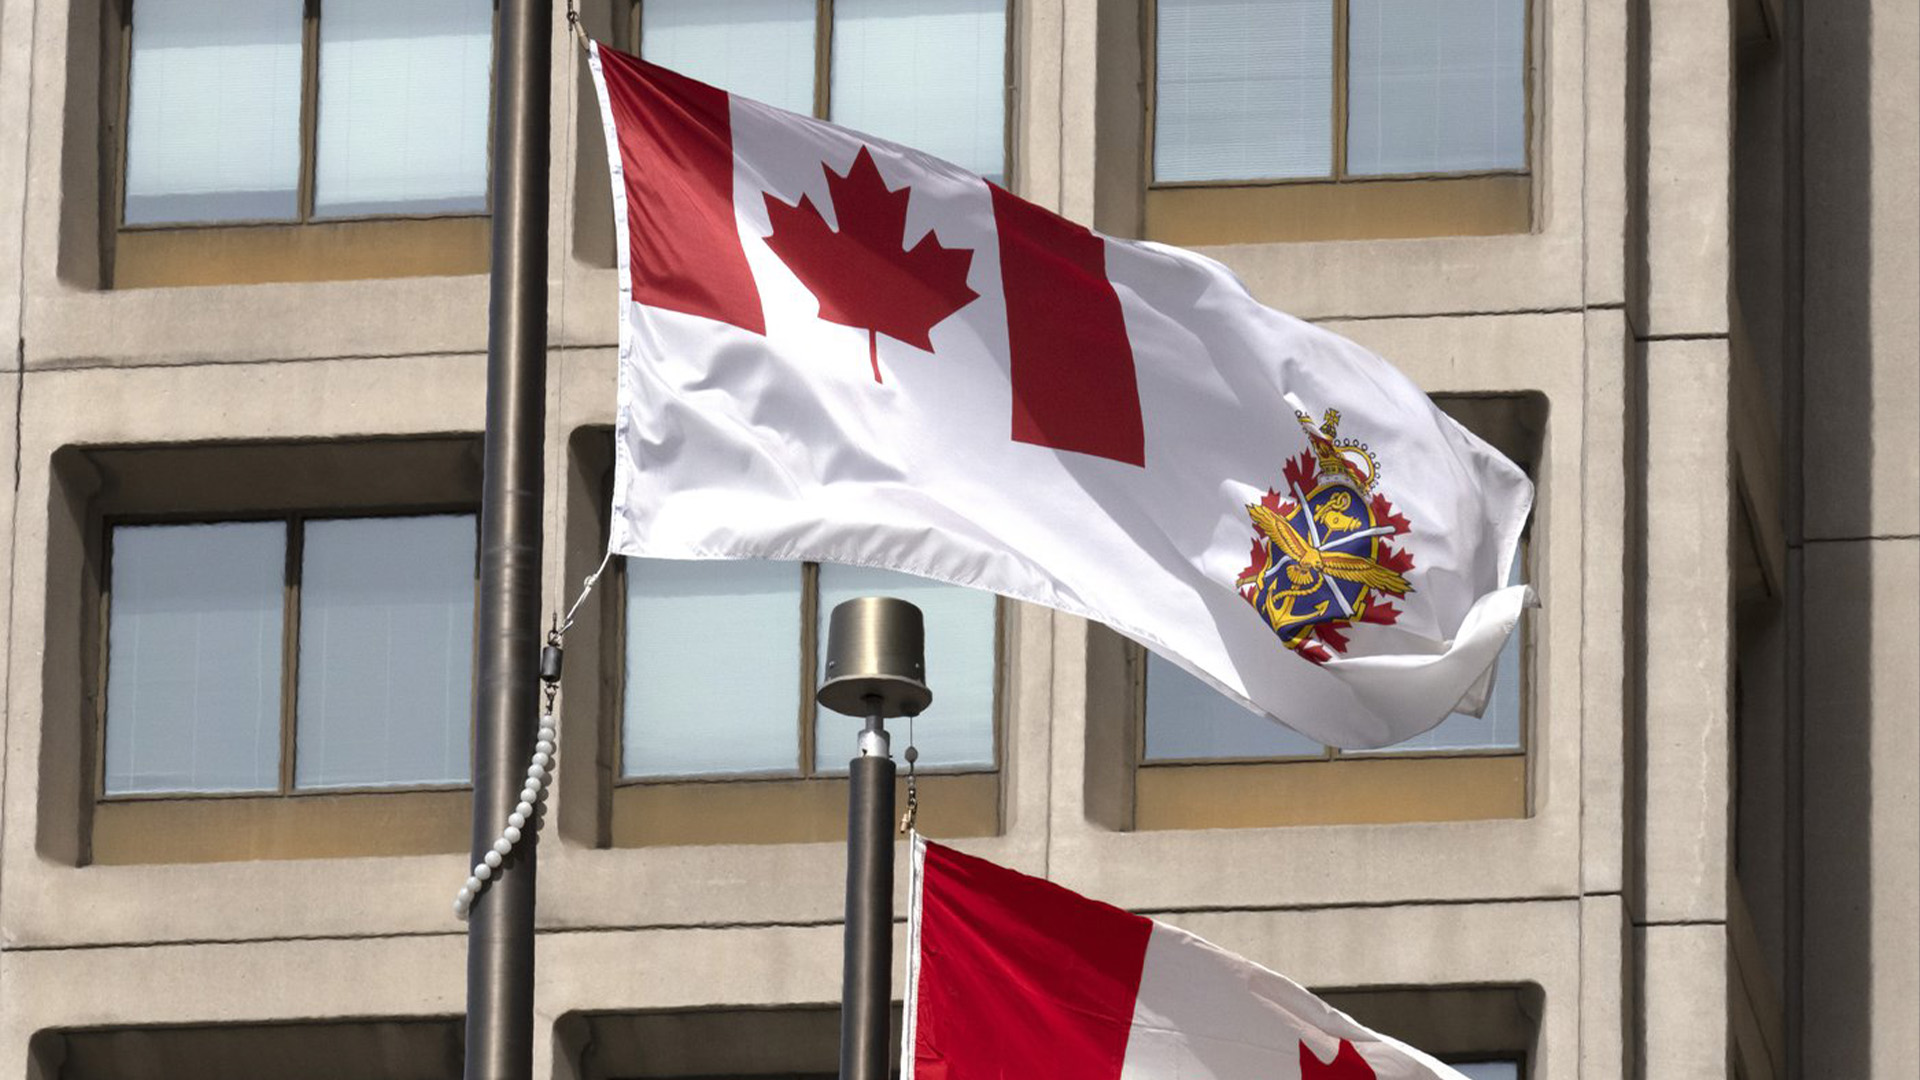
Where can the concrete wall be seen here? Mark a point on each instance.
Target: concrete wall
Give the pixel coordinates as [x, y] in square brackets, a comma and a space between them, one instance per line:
[1609, 901]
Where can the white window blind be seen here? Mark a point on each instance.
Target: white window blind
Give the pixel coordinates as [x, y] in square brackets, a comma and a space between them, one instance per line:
[761, 49]
[1436, 86]
[213, 111]
[712, 683]
[956, 731]
[403, 109]
[927, 73]
[193, 658]
[1244, 90]
[386, 652]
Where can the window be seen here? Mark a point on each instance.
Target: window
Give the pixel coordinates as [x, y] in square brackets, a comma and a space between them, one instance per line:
[720, 662]
[1205, 761]
[927, 73]
[1326, 118]
[1488, 1070]
[247, 116]
[292, 654]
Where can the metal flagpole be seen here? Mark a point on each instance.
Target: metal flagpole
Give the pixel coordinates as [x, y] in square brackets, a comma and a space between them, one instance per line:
[876, 669]
[500, 928]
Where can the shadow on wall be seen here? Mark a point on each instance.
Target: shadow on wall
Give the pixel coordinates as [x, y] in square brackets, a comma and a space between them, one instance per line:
[1836, 1021]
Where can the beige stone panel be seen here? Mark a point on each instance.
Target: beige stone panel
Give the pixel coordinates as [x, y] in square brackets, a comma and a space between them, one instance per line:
[1039, 100]
[69, 327]
[1861, 972]
[1605, 169]
[16, 58]
[1604, 640]
[1688, 636]
[1683, 1001]
[1455, 944]
[216, 983]
[1606, 939]
[1688, 168]
[1079, 108]
[1862, 367]
[1531, 857]
[9, 508]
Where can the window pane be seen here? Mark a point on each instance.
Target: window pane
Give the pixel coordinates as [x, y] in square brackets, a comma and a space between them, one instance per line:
[713, 668]
[762, 49]
[404, 98]
[1498, 726]
[386, 652]
[1436, 86]
[1187, 719]
[1244, 89]
[213, 111]
[927, 73]
[956, 731]
[1488, 1070]
[193, 658]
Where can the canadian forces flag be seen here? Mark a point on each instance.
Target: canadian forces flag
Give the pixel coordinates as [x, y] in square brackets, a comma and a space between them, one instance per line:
[1011, 976]
[836, 348]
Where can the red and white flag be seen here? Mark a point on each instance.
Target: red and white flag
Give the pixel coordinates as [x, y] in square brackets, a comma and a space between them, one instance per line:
[836, 348]
[1012, 976]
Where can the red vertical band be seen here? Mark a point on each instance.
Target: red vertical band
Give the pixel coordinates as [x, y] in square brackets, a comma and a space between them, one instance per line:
[1020, 977]
[676, 153]
[1073, 378]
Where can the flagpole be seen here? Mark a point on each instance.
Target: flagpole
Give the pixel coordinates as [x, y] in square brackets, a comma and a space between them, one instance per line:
[500, 926]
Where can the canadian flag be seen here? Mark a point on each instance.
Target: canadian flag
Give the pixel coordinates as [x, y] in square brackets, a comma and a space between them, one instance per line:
[836, 348]
[1010, 976]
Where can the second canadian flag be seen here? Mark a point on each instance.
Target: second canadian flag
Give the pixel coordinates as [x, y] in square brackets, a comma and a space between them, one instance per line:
[1011, 976]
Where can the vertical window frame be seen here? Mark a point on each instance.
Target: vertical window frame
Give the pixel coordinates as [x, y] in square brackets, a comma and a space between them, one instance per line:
[309, 137]
[1150, 54]
[288, 726]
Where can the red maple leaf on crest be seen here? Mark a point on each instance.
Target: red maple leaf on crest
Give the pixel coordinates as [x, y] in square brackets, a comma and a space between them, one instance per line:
[1347, 1064]
[863, 275]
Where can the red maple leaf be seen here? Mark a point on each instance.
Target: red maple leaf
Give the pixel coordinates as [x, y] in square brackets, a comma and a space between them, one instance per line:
[1300, 472]
[1380, 611]
[1347, 1064]
[1400, 562]
[1385, 514]
[1329, 632]
[863, 275]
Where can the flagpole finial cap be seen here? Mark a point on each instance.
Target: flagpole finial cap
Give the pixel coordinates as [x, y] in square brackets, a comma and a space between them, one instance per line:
[876, 659]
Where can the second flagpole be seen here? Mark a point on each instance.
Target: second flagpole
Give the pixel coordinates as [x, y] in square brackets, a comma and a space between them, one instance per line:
[875, 669]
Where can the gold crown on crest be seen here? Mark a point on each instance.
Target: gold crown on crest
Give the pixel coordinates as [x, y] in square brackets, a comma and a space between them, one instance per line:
[1341, 461]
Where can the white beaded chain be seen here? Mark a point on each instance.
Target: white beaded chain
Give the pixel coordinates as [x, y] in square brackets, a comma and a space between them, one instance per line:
[540, 770]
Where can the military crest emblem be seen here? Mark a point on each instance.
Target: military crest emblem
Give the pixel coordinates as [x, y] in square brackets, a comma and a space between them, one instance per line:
[1324, 556]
